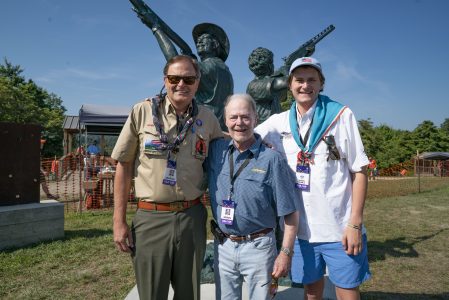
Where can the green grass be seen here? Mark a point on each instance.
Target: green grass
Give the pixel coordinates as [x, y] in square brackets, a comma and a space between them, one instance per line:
[85, 265]
[408, 251]
[408, 239]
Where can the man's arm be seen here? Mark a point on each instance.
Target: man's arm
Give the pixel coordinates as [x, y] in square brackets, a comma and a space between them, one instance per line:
[122, 185]
[352, 237]
[282, 263]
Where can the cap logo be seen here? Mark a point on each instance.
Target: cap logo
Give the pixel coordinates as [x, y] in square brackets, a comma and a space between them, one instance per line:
[306, 59]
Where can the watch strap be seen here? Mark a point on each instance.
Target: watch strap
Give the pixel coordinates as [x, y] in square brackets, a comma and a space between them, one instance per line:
[287, 251]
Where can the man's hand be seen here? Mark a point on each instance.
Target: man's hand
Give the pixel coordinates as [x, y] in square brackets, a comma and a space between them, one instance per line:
[122, 237]
[282, 265]
[352, 241]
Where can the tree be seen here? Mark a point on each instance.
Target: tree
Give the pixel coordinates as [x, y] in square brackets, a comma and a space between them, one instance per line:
[428, 138]
[23, 101]
[445, 126]
[368, 135]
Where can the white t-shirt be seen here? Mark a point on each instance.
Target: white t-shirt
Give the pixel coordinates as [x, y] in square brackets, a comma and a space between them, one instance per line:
[326, 208]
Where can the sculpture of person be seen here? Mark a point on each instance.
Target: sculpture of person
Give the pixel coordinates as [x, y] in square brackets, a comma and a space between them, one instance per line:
[268, 88]
[212, 46]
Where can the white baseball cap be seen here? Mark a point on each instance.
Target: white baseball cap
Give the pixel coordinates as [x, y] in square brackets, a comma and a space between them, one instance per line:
[306, 61]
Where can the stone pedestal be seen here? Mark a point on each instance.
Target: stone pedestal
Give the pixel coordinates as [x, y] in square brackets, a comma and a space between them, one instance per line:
[25, 224]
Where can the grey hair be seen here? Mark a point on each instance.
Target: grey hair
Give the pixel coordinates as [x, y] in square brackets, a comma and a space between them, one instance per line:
[244, 97]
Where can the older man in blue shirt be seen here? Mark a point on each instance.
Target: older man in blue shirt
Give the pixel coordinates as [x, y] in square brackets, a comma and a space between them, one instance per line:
[249, 185]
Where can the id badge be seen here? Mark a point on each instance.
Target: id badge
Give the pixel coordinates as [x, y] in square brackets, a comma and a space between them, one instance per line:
[170, 173]
[227, 212]
[303, 177]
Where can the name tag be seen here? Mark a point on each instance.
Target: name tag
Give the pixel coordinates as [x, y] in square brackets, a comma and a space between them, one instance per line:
[227, 212]
[170, 173]
[303, 177]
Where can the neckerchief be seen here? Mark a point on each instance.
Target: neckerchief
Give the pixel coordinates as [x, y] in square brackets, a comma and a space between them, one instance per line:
[326, 114]
[165, 145]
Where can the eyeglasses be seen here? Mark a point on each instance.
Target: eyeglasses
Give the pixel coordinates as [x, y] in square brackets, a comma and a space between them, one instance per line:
[273, 286]
[175, 79]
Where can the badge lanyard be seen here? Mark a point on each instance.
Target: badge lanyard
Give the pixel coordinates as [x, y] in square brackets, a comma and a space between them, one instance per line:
[227, 212]
[165, 145]
[170, 170]
[303, 164]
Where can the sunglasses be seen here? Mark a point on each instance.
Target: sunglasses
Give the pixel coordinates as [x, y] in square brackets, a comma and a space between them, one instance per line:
[175, 79]
[273, 287]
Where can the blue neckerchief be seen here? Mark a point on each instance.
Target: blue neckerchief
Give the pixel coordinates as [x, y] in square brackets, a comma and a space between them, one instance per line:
[326, 112]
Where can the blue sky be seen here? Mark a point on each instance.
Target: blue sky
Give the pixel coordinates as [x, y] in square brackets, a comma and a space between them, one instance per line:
[387, 60]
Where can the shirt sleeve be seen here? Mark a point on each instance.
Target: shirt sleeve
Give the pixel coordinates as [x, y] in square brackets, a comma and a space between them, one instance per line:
[356, 156]
[128, 141]
[283, 184]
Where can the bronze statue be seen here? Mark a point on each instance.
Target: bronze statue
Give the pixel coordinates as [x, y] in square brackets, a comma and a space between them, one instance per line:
[268, 88]
[212, 45]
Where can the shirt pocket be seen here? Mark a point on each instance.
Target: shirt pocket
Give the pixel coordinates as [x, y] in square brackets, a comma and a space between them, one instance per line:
[254, 184]
[331, 170]
[289, 145]
[200, 145]
[151, 143]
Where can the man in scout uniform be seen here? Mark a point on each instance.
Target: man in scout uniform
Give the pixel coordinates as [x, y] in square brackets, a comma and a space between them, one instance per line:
[322, 144]
[162, 146]
[249, 186]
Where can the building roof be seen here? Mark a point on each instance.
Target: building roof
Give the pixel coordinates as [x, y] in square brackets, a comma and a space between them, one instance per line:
[434, 155]
[71, 123]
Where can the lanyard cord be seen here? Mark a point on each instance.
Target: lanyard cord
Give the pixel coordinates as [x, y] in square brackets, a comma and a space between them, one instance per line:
[232, 176]
[182, 132]
[306, 137]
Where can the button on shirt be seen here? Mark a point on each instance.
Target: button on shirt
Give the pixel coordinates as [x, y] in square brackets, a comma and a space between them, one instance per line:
[326, 208]
[263, 190]
[150, 168]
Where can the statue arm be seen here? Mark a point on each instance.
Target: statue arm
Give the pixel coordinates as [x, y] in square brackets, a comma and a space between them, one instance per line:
[279, 83]
[166, 45]
[164, 35]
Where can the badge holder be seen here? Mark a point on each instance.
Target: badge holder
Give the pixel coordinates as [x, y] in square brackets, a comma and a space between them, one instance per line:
[227, 212]
[170, 172]
[303, 172]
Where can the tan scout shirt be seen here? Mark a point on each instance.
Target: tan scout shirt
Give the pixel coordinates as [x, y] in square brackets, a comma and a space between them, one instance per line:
[149, 169]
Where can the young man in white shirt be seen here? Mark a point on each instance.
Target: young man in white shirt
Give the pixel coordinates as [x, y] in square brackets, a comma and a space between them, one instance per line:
[322, 144]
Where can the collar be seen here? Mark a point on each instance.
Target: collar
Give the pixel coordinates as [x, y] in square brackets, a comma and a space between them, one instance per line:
[254, 148]
[308, 115]
[169, 108]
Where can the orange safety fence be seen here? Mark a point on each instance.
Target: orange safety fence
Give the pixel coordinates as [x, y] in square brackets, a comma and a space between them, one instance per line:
[414, 167]
[78, 182]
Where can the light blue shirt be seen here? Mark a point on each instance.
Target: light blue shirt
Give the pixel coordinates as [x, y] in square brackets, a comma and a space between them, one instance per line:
[93, 149]
[263, 190]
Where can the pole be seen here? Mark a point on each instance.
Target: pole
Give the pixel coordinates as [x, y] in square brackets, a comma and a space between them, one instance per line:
[419, 173]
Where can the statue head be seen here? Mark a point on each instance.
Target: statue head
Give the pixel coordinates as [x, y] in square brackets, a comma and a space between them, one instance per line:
[214, 39]
[260, 62]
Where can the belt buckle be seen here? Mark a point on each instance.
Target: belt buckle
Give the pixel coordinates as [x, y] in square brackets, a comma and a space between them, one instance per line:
[176, 205]
[248, 237]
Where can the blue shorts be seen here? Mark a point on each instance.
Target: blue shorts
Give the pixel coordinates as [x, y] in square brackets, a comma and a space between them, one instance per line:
[345, 271]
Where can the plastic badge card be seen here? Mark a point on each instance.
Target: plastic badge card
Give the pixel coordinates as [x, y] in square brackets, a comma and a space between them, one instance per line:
[227, 212]
[170, 173]
[303, 178]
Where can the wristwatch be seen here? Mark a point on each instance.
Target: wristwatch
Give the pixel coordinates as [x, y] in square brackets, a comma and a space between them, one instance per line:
[287, 251]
